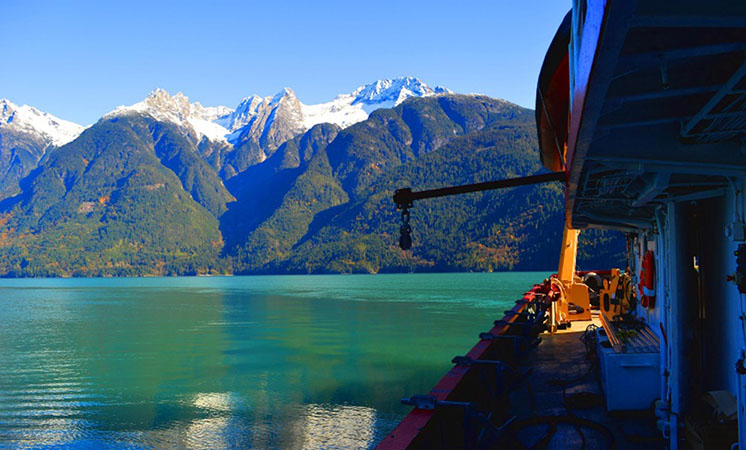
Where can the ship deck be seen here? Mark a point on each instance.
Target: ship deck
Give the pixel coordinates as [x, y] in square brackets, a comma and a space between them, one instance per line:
[558, 359]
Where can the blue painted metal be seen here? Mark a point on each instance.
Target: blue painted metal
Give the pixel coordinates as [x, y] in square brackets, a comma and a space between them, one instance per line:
[660, 94]
[682, 167]
[659, 184]
[675, 328]
[593, 58]
[710, 193]
[655, 58]
[688, 21]
[710, 105]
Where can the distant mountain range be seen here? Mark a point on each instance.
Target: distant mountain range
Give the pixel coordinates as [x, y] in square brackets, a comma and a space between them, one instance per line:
[255, 128]
[166, 186]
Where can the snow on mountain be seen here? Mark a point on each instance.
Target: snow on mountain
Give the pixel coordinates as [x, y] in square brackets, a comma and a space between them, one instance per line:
[348, 109]
[256, 128]
[344, 110]
[29, 120]
[271, 120]
[177, 110]
[395, 91]
[243, 113]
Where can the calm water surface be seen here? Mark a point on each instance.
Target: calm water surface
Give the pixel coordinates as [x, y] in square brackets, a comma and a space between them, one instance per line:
[263, 362]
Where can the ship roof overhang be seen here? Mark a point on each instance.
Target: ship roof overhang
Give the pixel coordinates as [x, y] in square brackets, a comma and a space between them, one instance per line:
[658, 107]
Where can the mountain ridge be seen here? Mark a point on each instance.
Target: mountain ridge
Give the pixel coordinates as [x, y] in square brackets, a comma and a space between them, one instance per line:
[140, 192]
[249, 118]
[161, 105]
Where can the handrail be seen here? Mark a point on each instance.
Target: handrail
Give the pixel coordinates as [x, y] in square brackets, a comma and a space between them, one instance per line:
[410, 427]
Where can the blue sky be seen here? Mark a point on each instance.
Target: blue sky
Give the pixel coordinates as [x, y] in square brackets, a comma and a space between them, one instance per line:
[81, 59]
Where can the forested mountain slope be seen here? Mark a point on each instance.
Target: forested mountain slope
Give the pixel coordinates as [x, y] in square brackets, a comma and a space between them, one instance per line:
[136, 194]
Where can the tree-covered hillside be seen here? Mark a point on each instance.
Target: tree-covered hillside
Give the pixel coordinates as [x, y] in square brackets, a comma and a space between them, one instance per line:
[338, 215]
[119, 200]
[136, 196]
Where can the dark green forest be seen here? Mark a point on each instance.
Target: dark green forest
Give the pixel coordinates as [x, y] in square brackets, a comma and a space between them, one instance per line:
[133, 196]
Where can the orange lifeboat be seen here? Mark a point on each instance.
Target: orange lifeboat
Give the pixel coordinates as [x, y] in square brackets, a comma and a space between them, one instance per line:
[553, 100]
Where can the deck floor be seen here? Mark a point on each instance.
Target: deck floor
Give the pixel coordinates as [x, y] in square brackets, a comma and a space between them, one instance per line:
[562, 357]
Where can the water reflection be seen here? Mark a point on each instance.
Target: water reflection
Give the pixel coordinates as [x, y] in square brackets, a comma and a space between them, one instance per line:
[338, 426]
[262, 362]
[212, 432]
[217, 401]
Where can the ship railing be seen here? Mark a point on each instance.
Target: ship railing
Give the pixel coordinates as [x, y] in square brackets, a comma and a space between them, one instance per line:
[468, 407]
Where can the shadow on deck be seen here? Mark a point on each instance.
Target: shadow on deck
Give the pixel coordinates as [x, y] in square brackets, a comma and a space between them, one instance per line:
[565, 383]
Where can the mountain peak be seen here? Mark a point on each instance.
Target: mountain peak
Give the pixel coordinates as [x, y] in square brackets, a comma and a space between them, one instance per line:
[253, 105]
[7, 108]
[177, 109]
[246, 109]
[159, 100]
[30, 120]
[347, 109]
[394, 90]
[249, 103]
[221, 123]
[285, 93]
[159, 92]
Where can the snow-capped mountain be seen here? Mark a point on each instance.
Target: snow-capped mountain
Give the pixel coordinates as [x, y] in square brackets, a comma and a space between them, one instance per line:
[264, 123]
[236, 138]
[241, 116]
[347, 109]
[26, 134]
[344, 110]
[177, 109]
[29, 120]
[270, 121]
[393, 92]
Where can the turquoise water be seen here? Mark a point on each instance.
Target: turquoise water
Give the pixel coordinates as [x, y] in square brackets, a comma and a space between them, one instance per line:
[263, 362]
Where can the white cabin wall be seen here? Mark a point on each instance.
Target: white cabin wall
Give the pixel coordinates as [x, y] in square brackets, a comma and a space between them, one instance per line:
[736, 203]
[673, 235]
[676, 301]
[725, 337]
[657, 318]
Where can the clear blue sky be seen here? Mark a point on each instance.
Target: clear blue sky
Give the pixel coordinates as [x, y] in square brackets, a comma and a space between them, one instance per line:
[81, 59]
